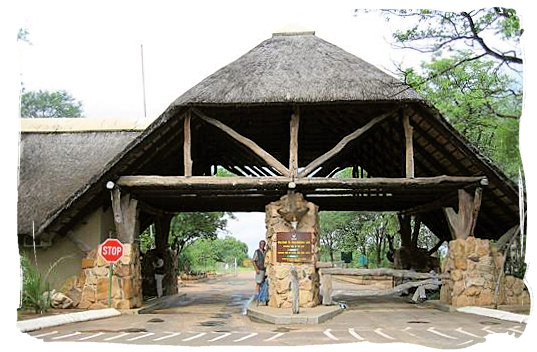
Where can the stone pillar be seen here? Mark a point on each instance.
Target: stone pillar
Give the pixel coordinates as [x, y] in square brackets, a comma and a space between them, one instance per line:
[280, 295]
[126, 280]
[473, 266]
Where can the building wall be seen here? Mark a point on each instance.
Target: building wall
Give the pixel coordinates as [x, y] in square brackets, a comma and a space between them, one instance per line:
[66, 252]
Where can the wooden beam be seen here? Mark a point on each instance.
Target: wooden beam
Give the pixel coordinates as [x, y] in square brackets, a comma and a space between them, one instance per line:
[293, 144]
[260, 152]
[279, 182]
[409, 274]
[409, 147]
[187, 145]
[339, 147]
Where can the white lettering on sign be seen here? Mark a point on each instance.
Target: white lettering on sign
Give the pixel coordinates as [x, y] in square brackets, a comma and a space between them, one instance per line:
[109, 250]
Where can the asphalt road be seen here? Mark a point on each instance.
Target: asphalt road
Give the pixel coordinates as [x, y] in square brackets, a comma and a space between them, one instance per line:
[211, 313]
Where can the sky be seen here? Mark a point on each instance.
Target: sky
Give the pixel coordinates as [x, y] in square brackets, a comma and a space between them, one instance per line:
[92, 49]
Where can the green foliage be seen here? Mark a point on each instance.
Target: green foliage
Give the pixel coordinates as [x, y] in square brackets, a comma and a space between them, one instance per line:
[34, 285]
[204, 254]
[49, 104]
[485, 108]
[434, 31]
[357, 232]
[186, 228]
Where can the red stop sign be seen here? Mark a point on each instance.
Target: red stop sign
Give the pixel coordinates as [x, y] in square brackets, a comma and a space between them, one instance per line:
[111, 250]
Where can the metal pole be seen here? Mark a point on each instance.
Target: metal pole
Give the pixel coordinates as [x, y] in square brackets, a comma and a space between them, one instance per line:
[110, 285]
[143, 76]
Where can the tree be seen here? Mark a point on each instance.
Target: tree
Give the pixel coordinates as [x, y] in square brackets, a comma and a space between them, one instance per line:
[493, 33]
[485, 108]
[49, 104]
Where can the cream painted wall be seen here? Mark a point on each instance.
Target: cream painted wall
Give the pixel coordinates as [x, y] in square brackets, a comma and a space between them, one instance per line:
[69, 250]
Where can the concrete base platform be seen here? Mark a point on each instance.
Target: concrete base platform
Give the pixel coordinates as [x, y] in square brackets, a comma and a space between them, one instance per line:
[284, 316]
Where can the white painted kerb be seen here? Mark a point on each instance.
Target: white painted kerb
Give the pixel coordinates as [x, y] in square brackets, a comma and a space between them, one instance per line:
[493, 313]
[55, 320]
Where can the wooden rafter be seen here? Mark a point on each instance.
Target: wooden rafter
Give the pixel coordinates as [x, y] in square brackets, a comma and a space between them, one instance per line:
[293, 143]
[409, 148]
[339, 147]
[187, 145]
[254, 147]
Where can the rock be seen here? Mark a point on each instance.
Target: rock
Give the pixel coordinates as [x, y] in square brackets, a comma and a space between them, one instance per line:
[61, 301]
[474, 257]
[461, 263]
[482, 247]
[469, 246]
[485, 298]
[75, 294]
[88, 296]
[475, 281]
[458, 288]
[87, 263]
[456, 275]
[472, 291]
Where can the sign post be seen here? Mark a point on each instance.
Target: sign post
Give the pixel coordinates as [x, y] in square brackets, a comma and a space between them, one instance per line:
[111, 251]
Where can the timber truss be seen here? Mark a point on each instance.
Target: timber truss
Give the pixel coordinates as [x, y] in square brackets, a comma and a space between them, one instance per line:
[262, 176]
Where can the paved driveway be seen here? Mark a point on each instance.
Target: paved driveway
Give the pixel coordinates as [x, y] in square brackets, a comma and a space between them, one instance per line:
[212, 313]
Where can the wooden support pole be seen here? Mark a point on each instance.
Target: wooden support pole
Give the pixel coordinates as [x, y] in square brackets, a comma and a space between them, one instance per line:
[256, 149]
[326, 289]
[409, 146]
[125, 211]
[462, 223]
[339, 147]
[293, 144]
[162, 231]
[187, 145]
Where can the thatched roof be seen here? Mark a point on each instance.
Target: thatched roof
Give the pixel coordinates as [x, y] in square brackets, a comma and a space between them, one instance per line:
[336, 93]
[297, 68]
[58, 157]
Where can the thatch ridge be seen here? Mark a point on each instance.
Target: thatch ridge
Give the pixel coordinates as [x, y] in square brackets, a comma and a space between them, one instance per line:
[299, 68]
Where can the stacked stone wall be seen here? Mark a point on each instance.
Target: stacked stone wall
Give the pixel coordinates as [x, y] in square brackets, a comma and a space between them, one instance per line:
[280, 295]
[474, 266]
[126, 280]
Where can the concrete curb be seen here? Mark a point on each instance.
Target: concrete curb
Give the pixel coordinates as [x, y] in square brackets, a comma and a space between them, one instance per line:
[61, 319]
[308, 316]
[493, 313]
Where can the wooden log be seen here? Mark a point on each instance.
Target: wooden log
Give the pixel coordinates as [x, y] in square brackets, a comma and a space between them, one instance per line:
[462, 223]
[409, 146]
[326, 289]
[430, 284]
[251, 145]
[278, 182]
[162, 231]
[187, 145]
[475, 209]
[293, 144]
[380, 272]
[125, 211]
[339, 147]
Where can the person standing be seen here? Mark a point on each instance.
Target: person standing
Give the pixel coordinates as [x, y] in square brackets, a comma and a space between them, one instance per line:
[259, 264]
[158, 266]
